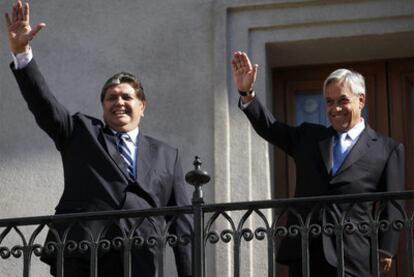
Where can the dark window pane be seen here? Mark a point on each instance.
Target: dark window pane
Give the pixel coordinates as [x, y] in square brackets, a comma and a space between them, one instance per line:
[412, 110]
[310, 107]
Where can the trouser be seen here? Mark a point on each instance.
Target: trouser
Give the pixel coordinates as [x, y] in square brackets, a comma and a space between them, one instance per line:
[319, 267]
[109, 265]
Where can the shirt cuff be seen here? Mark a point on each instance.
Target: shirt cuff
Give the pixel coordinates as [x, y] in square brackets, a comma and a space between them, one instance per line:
[21, 60]
[245, 105]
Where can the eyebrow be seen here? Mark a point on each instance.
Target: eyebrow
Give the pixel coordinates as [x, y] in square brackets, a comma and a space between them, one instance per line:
[342, 96]
[120, 92]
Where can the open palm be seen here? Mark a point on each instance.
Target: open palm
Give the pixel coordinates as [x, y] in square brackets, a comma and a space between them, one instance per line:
[244, 73]
[20, 32]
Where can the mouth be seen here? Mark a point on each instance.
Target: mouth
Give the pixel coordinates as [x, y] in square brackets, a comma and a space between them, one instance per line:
[338, 116]
[121, 112]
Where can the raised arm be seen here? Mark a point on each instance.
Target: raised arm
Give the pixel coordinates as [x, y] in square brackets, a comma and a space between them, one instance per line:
[20, 33]
[50, 115]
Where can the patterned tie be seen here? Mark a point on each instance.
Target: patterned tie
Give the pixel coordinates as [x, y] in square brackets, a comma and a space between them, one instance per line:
[339, 152]
[126, 153]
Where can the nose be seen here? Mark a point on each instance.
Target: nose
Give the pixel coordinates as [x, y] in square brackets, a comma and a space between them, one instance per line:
[119, 101]
[338, 108]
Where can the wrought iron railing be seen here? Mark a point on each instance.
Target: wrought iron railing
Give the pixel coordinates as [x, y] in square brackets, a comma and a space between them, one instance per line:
[235, 223]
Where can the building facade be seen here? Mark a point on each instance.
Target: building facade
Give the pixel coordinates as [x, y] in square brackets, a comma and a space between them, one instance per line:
[181, 50]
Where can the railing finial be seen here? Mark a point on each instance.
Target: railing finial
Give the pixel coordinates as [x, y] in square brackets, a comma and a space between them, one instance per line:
[197, 178]
[197, 162]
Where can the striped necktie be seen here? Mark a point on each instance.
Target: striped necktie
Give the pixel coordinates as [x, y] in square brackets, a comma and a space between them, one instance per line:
[126, 153]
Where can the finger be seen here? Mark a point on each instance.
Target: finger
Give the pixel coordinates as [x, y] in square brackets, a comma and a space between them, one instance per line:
[236, 60]
[254, 71]
[386, 267]
[245, 59]
[389, 264]
[26, 14]
[239, 64]
[14, 13]
[7, 19]
[36, 30]
[246, 64]
[239, 57]
[234, 65]
[237, 54]
[19, 11]
[242, 63]
[385, 264]
[382, 266]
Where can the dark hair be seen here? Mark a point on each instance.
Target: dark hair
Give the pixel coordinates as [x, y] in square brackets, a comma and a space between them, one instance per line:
[124, 77]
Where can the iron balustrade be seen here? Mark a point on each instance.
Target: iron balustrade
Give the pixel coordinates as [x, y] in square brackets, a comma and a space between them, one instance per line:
[220, 223]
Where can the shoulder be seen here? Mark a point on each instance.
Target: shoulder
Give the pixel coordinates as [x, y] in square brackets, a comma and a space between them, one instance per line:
[386, 140]
[88, 120]
[158, 150]
[157, 143]
[315, 130]
[313, 127]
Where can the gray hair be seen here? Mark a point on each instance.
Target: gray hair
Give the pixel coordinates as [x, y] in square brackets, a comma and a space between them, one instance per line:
[355, 80]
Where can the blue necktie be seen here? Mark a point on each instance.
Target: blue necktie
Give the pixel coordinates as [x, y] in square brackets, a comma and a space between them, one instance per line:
[126, 153]
[339, 152]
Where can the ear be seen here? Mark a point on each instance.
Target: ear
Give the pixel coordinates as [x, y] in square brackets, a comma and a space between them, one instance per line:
[361, 99]
[144, 105]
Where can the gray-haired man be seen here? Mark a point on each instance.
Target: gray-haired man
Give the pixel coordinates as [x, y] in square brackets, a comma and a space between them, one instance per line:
[347, 157]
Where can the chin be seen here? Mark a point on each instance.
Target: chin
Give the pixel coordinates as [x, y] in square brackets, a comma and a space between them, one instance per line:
[343, 129]
[118, 125]
[339, 128]
[121, 122]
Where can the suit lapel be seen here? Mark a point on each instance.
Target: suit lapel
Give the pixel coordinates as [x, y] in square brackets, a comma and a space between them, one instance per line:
[144, 159]
[325, 146]
[361, 147]
[109, 141]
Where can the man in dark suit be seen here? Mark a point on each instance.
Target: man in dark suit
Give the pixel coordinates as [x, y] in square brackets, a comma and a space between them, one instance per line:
[347, 157]
[107, 165]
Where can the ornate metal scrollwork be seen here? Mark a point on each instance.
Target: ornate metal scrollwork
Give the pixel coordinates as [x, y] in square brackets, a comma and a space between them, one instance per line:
[234, 223]
[226, 235]
[247, 234]
[260, 233]
[213, 237]
[172, 240]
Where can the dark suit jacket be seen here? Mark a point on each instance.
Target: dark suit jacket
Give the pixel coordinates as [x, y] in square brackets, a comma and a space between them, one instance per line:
[95, 175]
[375, 164]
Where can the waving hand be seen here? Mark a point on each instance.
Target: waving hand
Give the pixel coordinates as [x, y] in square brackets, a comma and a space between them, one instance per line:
[244, 73]
[20, 32]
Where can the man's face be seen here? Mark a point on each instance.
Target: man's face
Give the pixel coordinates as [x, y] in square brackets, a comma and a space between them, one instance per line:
[122, 110]
[343, 106]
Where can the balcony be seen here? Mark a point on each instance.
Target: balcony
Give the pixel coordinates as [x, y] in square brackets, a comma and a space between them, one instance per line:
[236, 224]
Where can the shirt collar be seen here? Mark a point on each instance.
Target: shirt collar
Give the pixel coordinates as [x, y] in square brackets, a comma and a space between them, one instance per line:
[354, 133]
[133, 134]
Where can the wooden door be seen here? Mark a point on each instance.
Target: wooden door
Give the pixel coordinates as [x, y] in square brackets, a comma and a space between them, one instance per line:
[298, 97]
[401, 103]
